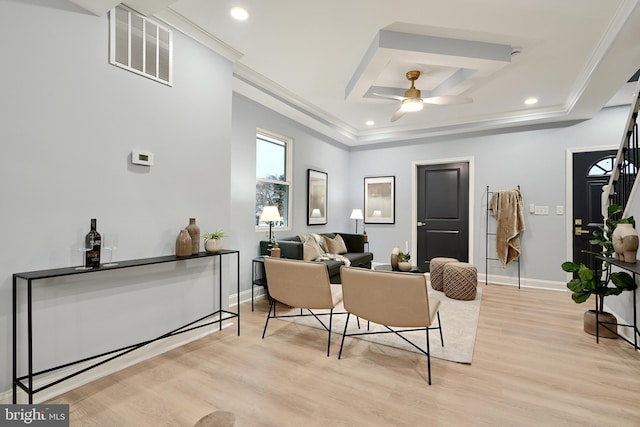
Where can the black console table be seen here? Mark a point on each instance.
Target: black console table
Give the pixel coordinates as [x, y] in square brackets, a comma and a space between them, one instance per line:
[25, 382]
[634, 269]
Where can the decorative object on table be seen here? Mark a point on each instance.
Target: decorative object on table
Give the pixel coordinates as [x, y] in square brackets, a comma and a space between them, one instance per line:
[403, 261]
[316, 197]
[275, 250]
[590, 281]
[110, 244]
[183, 243]
[270, 214]
[194, 233]
[213, 241]
[364, 234]
[625, 242]
[394, 258]
[93, 243]
[379, 200]
[356, 214]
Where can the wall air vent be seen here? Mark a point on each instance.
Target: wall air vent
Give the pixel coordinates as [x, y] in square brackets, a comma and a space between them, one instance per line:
[140, 45]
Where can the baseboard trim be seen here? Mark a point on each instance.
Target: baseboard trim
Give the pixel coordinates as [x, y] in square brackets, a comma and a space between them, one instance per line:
[524, 282]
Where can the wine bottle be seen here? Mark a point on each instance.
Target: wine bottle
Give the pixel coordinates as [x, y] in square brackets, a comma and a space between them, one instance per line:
[93, 243]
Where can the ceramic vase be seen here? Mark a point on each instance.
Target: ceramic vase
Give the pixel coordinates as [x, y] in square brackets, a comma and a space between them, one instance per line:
[275, 252]
[194, 233]
[625, 242]
[183, 243]
[213, 245]
[404, 266]
[394, 258]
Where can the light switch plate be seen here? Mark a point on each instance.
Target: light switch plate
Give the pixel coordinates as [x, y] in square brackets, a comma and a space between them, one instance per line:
[542, 210]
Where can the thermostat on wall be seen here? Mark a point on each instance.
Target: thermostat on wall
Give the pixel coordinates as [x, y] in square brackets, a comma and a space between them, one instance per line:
[139, 157]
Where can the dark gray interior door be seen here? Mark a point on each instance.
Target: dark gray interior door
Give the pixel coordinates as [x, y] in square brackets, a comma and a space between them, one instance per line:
[443, 212]
[591, 171]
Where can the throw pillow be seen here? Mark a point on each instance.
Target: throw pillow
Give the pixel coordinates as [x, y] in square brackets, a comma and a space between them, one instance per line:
[336, 245]
[320, 241]
[310, 250]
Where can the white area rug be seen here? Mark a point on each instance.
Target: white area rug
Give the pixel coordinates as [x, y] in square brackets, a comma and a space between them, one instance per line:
[459, 326]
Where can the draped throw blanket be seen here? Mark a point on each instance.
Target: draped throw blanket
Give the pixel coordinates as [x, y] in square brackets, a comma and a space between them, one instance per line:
[506, 207]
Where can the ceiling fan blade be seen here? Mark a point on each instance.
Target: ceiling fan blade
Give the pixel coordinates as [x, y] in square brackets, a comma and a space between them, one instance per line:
[448, 99]
[397, 98]
[397, 115]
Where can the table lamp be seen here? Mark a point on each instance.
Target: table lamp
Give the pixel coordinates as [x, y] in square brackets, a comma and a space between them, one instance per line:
[270, 214]
[356, 214]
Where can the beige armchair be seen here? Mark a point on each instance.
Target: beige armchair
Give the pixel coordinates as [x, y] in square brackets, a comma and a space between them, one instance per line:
[393, 300]
[303, 285]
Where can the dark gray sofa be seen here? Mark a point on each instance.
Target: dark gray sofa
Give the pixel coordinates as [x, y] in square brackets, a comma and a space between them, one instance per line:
[291, 247]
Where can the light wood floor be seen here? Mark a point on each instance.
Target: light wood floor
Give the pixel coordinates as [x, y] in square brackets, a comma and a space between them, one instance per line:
[533, 366]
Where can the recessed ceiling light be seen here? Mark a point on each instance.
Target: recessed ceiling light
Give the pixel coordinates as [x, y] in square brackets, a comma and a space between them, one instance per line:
[369, 123]
[531, 101]
[239, 13]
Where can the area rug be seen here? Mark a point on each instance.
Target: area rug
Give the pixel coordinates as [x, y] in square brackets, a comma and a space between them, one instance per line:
[459, 326]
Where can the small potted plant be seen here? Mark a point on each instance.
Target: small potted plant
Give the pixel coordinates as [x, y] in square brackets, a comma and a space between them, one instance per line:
[213, 241]
[403, 261]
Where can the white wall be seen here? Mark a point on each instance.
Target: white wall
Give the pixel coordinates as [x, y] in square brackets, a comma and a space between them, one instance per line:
[69, 122]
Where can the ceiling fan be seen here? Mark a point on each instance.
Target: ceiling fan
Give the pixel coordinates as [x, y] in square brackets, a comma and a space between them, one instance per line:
[412, 101]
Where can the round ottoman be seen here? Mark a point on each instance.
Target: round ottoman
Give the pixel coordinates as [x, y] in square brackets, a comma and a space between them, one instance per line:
[436, 271]
[460, 281]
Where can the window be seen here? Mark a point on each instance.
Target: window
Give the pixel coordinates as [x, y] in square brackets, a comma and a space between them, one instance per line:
[273, 171]
[140, 45]
[604, 167]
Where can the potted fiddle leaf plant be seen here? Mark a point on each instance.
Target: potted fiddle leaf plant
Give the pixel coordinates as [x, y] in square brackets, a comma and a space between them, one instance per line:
[213, 241]
[596, 281]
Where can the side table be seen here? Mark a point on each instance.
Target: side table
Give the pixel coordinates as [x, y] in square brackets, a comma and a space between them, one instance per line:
[258, 277]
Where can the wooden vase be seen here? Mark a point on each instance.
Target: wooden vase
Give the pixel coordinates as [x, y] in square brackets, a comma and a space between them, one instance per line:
[394, 258]
[183, 243]
[194, 233]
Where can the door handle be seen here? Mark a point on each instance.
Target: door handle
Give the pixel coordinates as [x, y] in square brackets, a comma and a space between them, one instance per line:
[421, 224]
[580, 231]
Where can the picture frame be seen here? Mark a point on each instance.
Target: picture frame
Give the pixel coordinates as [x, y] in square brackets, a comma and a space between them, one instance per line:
[380, 200]
[317, 197]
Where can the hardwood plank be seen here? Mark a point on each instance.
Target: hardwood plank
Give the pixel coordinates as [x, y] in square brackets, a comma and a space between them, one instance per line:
[533, 365]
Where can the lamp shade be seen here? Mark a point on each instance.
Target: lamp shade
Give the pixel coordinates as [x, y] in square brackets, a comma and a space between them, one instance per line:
[270, 214]
[356, 214]
[316, 213]
[377, 213]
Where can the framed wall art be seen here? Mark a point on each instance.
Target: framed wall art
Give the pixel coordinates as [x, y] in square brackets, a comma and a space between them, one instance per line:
[317, 197]
[380, 200]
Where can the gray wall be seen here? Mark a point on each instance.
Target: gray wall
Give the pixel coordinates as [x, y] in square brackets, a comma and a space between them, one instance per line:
[69, 123]
[310, 151]
[535, 160]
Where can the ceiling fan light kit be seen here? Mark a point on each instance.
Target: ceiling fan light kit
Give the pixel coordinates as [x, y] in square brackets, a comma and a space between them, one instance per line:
[412, 100]
[411, 105]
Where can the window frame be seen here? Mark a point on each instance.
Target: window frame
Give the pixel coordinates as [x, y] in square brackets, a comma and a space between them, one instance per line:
[288, 171]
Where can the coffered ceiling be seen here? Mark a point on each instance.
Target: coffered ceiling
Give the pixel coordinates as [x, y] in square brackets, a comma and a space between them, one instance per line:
[323, 62]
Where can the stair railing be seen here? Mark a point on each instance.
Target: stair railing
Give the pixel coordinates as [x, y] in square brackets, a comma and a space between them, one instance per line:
[625, 170]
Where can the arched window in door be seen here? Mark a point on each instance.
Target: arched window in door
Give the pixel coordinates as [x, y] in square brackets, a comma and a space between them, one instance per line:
[604, 167]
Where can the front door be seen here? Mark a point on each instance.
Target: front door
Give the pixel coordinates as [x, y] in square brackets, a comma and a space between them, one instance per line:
[591, 170]
[442, 212]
